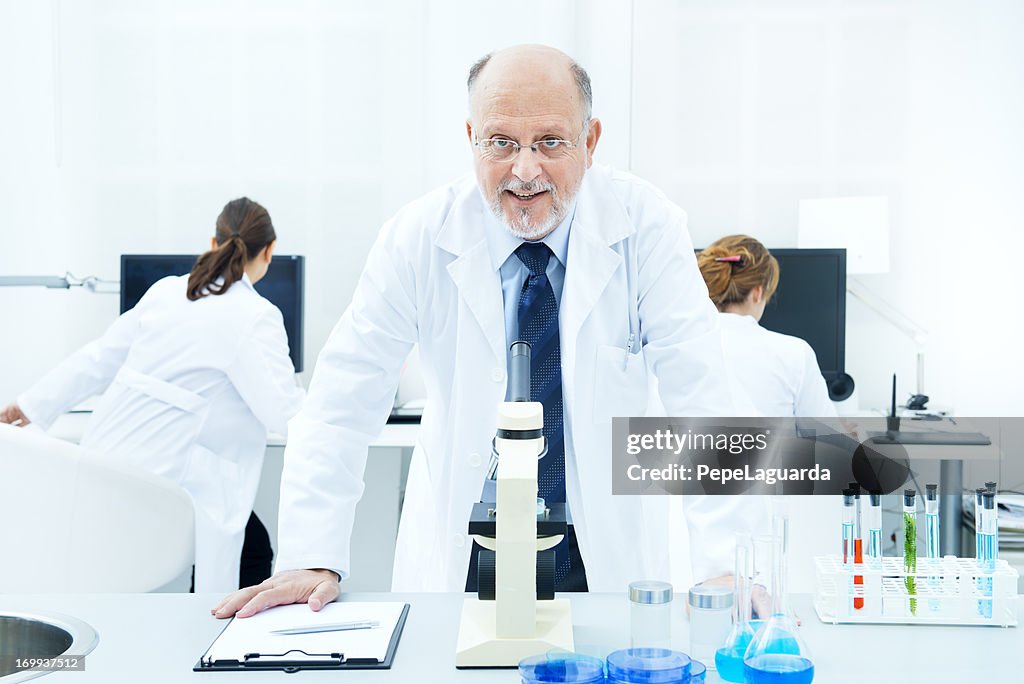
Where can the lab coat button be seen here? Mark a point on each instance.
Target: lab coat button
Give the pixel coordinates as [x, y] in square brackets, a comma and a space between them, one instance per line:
[498, 374]
[475, 460]
[459, 540]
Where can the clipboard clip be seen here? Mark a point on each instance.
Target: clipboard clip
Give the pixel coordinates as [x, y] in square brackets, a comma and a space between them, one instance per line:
[293, 660]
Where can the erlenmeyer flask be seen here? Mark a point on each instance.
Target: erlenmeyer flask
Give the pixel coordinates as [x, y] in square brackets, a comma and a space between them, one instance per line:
[729, 658]
[777, 654]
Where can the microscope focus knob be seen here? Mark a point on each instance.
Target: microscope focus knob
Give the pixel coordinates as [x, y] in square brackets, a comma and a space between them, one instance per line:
[545, 575]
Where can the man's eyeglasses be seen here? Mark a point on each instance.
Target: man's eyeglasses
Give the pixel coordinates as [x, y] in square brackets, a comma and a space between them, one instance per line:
[506, 150]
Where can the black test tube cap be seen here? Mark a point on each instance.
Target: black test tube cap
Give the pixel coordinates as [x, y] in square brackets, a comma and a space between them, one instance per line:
[909, 497]
[931, 492]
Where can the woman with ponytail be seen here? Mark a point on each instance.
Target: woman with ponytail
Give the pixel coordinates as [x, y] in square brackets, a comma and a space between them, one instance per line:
[779, 373]
[192, 378]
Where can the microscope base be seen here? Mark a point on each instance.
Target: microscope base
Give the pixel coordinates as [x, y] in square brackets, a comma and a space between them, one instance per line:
[478, 646]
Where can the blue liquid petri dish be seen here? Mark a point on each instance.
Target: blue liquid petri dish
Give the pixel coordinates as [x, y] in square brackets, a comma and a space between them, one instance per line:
[778, 668]
[561, 668]
[648, 666]
[697, 672]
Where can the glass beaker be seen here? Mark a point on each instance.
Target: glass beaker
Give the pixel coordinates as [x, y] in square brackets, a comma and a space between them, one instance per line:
[729, 658]
[777, 654]
[650, 614]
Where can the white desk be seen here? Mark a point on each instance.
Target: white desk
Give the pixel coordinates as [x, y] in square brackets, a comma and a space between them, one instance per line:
[157, 638]
[70, 426]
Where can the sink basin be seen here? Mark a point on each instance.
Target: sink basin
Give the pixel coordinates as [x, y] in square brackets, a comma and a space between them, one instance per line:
[38, 634]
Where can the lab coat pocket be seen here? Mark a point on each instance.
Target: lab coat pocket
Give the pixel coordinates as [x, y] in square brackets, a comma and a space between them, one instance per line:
[214, 483]
[620, 384]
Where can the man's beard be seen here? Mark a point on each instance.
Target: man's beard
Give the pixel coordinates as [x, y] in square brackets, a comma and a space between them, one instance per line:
[519, 224]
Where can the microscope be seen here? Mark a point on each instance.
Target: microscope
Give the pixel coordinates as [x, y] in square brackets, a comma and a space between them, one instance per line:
[515, 613]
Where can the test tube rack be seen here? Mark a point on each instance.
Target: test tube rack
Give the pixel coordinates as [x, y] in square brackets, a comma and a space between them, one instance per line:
[948, 591]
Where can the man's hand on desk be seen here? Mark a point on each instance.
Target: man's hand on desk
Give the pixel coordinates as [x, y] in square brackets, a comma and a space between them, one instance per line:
[314, 587]
[13, 415]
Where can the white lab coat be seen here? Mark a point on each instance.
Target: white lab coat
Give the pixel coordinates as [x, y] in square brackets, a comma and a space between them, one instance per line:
[429, 280]
[779, 373]
[190, 391]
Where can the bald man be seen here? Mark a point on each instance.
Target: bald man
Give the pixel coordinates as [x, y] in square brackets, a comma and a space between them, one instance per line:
[595, 269]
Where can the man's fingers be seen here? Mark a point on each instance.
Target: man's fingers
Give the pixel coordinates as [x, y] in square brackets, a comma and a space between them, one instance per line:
[232, 602]
[316, 587]
[325, 592]
[277, 596]
[13, 415]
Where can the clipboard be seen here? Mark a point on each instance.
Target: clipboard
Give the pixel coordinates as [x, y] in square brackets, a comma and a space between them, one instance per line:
[291, 658]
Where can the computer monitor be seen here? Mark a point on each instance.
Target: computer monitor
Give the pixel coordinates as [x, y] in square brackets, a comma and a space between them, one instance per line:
[283, 285]
[810, 303]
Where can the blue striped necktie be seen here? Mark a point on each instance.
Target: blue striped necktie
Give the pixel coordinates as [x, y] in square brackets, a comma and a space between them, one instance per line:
[538, 325]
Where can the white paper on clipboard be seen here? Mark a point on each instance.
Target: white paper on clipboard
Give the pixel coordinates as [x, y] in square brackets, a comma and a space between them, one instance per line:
[253, 634]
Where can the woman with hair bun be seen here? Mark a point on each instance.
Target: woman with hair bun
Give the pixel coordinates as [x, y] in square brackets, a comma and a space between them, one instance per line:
[193, 378]
[779, 373]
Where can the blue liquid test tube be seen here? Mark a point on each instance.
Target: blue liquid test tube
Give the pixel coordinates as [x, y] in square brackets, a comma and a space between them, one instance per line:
[875, 530]
[989, 525]
[991, 486]
[931, 537]
[979, 552]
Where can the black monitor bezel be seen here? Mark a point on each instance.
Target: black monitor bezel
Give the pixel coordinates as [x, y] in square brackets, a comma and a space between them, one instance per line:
[300, 269]
[840, 255]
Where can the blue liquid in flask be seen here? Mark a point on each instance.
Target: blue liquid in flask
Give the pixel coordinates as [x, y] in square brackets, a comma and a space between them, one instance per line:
[729, 662]
[778, 668]
[729, 659]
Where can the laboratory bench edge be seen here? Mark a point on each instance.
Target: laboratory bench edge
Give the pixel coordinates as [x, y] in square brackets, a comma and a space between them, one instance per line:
[159, 637]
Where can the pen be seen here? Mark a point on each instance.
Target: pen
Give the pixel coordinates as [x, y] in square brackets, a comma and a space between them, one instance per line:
[336, 627]
[629, 350]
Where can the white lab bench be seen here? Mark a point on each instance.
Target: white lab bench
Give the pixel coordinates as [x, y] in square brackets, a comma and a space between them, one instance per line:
[158, 638]
[376, 524]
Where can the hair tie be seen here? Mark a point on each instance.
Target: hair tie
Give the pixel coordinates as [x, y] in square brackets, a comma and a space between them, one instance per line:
[734, 259]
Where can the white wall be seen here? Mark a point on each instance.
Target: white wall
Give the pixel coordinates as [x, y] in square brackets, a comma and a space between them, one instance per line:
[741, 109]
[125, 126]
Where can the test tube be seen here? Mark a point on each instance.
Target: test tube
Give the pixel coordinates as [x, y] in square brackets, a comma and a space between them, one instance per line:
[989, 524]
[858, 545]
[979, 551]
[875, 529]
[991, 486]
[931, 521]
[848, 512]
[978, 493]
[931, 535]
[910, 546]
[848, 550]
